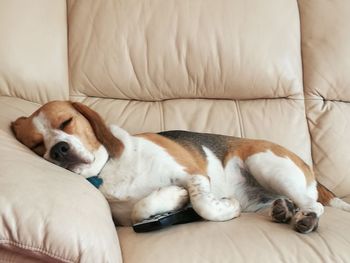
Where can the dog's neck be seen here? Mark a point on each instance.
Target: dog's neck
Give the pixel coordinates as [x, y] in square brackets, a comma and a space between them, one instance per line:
[101, 159]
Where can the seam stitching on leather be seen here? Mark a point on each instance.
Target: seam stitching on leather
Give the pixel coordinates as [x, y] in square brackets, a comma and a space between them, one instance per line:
[6, 260]
[239, 114]
[35, 249]
[69, 84]
[199, 98]
[161, 115]
[304, 91]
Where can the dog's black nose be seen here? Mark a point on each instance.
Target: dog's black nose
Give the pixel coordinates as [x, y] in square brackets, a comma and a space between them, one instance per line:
[59, 151]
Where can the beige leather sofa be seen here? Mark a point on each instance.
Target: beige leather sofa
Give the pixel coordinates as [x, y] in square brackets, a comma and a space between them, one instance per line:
[278, 70]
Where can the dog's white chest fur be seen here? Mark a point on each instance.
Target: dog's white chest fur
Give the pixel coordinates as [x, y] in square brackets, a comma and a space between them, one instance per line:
[142, 168]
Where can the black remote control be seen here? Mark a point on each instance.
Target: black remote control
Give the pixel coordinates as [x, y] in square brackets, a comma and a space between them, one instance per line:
[185, 215]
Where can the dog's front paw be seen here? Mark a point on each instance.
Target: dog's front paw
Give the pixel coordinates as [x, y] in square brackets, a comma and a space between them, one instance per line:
[139, 213]
[175, 196]
[163, 200]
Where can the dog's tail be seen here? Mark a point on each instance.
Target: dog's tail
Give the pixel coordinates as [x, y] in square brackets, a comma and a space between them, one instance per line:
[326, 197]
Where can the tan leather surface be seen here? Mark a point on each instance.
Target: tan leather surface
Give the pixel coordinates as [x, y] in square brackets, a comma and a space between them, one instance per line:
[249, 238]
[325, 32]
[329, 124]
[260, 119]
[45, 210]
[33, 50]
[156, 50]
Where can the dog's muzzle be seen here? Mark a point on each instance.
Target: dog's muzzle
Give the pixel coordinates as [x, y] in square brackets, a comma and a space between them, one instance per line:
[60, 152]
[64, 155]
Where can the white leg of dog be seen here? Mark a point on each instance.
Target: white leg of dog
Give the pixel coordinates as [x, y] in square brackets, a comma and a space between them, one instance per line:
[206, 204]
[284, 177]
[163, 200]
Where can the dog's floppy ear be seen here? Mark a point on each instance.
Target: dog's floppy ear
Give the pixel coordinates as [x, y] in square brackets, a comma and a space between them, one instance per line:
[18, 125]
[102, 133]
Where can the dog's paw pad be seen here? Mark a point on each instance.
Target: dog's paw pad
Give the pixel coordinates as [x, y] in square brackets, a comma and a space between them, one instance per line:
[282, 210]
[306, 222]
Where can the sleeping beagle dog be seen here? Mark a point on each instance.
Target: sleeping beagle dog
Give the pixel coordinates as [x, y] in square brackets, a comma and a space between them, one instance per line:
[152, 173]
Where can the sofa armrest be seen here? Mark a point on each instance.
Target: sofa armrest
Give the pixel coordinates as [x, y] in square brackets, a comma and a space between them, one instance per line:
[49, 213]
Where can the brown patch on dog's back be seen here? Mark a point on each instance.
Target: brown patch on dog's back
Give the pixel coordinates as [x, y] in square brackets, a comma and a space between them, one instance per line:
[245, 147]
[186, 156]
[196, 141]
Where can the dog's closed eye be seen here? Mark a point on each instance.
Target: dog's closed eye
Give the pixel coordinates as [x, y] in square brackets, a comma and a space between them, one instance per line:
[65, 123]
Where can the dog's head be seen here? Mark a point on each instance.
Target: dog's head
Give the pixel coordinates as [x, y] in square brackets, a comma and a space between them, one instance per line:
[60, 133]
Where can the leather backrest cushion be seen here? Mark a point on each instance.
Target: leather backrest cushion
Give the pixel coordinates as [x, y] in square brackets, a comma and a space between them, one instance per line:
[156, 50]
[326, 59]
[33, 50]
